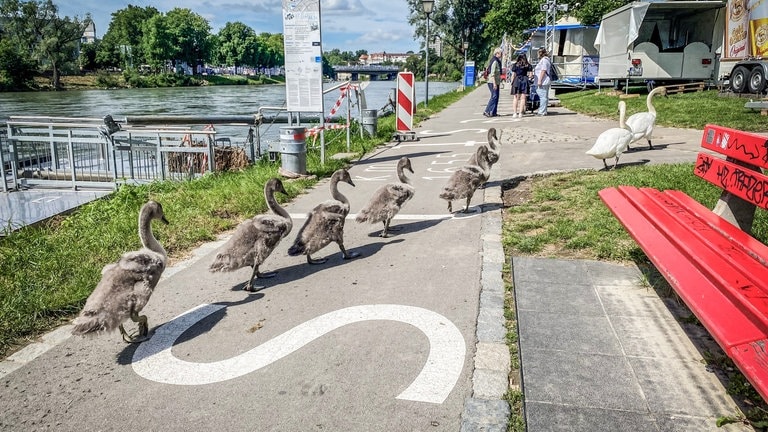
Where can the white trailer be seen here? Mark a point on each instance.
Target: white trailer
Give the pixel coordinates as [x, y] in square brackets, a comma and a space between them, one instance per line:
[661, 41]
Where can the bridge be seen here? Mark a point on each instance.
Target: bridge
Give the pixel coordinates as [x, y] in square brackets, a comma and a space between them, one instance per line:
[376, 72]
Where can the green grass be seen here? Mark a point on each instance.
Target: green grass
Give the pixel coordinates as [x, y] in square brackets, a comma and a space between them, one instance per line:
[48, 270]
[565, 218]
[684, 110]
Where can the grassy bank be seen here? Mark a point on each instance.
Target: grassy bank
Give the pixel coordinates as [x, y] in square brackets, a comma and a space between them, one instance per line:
[47, 271]
[685, 110]
[103, 79]
[563, 217]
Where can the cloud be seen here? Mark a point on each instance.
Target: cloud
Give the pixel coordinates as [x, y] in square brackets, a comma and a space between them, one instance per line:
[349, 25]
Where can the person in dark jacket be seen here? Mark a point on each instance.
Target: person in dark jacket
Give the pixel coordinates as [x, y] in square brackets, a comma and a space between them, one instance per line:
[494, 83]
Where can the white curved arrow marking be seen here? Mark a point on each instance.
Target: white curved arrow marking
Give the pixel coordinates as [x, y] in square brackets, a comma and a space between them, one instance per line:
[154, 360]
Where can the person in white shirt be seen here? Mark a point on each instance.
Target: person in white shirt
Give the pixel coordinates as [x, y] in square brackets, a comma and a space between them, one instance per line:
[541, 75]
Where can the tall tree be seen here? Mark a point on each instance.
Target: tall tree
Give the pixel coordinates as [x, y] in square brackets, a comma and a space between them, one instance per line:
[156, 42]
[190, 36]
[454, 21]
[51, 39]
[121, 45]
[237, 45]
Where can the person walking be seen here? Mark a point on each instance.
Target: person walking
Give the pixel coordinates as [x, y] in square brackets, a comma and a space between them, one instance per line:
[541, 74]
[494, 83]
[520, 85]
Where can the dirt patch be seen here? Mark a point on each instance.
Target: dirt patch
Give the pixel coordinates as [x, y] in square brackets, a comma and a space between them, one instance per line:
[516, 192]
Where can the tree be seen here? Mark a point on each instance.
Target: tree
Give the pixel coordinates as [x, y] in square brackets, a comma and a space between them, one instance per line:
[455, 21]
[156, 42]
[271, 51]
[16, 66]
[237, 45]
[51, 39]
[190, 36]
[122, 43]
[88, 56]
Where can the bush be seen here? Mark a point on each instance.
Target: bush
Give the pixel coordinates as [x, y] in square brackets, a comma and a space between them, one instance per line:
[107, 80]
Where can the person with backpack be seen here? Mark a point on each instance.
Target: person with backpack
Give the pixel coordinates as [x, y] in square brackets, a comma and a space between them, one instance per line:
[542, 74]
[494, 83]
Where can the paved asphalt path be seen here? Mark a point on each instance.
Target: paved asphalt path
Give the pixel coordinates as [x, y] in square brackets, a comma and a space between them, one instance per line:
[383, 342]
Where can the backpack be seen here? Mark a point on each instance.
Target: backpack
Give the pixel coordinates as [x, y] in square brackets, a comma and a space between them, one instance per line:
[553, 73]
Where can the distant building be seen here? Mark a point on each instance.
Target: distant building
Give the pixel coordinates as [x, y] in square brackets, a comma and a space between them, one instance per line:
[437, 46]
[382, 57]
[89, 35]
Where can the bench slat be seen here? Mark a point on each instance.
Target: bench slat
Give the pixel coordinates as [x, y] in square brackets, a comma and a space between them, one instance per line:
[652, 230]
[745, 183]
[742, 282]
[744, 146]
[751, 246]
[752, 361]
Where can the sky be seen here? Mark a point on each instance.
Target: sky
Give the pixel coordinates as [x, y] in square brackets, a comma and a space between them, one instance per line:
[349, 25]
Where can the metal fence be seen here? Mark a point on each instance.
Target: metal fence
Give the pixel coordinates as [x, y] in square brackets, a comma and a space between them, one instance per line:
[82, 153]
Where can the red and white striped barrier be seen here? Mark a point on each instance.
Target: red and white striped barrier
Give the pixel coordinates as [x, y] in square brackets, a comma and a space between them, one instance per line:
[405, 101]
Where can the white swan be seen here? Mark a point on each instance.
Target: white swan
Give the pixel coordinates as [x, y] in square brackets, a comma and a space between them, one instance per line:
[325, 223]
[614, 141]
[255, 238]
[388, 199]
[642, 123]
[127, 284]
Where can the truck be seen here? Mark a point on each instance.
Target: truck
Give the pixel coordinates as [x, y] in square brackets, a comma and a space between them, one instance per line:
[720, 42]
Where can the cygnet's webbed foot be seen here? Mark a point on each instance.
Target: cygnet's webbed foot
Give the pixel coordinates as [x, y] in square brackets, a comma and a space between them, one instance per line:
[450, 207]
[250, 287]
[142, 335]
[351, 255]
[650, 146]
[253, 288]
[348, 255]
[314, 261]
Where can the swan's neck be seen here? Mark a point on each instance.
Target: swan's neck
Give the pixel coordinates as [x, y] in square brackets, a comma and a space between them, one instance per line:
[275, 207]
[622, 118]
[401, 175]
[148, 239]
[338, 196]
[482, 162]
[649, 101]
[492, 143]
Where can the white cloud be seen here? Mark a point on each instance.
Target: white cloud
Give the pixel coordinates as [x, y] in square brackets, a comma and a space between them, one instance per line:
[348, 25]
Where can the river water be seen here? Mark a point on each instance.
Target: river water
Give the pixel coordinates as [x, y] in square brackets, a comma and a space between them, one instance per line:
[183, 101]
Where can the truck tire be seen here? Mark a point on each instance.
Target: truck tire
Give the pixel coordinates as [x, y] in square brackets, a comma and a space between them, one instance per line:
[756, 83]
[739, 78]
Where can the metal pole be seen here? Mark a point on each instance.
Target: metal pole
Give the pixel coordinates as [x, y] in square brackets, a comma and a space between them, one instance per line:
[426, 68]
[464, 82]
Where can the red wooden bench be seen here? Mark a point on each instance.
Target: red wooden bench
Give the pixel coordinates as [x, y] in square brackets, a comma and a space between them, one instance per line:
[709, 256]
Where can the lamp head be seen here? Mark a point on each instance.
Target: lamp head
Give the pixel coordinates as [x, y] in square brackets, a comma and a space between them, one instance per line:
[428, 5]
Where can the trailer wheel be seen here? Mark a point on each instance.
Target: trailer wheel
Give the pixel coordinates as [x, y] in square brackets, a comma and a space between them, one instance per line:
[756, 83]
[739, 78]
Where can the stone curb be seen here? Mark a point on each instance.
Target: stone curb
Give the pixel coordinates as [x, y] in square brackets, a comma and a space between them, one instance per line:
[487, 410]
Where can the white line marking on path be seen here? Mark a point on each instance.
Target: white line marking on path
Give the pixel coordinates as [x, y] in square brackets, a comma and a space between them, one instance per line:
[416, 217]
[430, 132]
[463, 143]
[380, 178]
[154, 359]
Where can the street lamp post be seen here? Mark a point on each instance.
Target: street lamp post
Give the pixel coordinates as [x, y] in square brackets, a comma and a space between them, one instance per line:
[466, 45]
[427, 5]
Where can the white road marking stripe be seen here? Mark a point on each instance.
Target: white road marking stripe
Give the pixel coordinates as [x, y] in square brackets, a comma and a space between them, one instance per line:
[154, 359]
[415, 217]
